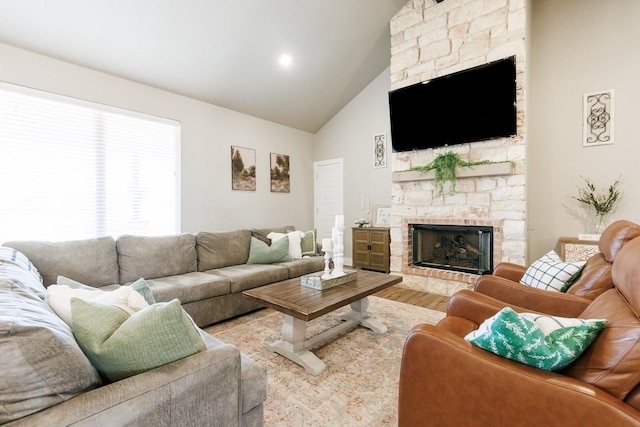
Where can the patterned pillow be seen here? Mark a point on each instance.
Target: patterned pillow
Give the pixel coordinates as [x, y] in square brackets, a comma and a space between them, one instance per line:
[551, 273]
[121, 345]
[13, 256]
[308, 243]
[546, 342]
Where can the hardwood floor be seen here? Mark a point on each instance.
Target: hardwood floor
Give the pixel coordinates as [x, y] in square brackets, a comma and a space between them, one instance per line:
[419, 298]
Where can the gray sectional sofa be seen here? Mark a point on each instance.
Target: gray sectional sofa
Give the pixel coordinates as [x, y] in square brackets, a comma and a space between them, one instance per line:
[206, 271]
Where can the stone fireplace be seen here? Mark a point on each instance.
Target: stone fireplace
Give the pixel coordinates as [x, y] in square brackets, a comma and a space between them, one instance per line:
[430, 39]
[465, 248]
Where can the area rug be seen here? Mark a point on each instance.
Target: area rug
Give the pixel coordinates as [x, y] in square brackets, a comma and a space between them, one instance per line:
[360, 384]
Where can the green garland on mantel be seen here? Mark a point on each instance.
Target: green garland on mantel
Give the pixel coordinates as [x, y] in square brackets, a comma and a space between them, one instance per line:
[445, 166]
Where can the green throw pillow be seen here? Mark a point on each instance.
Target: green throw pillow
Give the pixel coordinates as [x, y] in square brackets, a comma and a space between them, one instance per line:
[261, 253]
[308, 244]
[120, 345]
[140, 286]
[546, 342]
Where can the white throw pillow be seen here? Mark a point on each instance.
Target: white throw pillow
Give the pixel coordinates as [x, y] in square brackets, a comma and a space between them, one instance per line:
[551, 273]
[59, 299]
[295, 239]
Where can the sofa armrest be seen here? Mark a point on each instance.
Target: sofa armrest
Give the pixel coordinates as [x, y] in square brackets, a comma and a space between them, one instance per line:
[202, 389]
[446, 381]
[513, 272]
[531, 299]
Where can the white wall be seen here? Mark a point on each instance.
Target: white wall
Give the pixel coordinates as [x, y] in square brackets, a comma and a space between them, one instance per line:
[579, 47]
[208, 131]
[349, 135]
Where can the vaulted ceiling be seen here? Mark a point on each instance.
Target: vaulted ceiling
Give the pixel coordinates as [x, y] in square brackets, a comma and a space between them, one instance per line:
[225, 52]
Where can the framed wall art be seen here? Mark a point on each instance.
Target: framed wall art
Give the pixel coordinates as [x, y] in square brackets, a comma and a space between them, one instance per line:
[380, 151]
[280, 176]
[597, 118]
[243, 168]
[381, 216]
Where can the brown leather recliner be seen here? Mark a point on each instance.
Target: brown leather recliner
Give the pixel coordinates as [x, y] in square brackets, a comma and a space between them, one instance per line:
[595, 278]
[447, 381]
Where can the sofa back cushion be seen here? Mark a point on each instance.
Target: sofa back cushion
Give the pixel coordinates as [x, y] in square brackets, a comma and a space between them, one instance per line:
[157, 256]
[615, 236]
[594, 279]
[222, 249]
[90, 261]
[262, 233]
[42, 365]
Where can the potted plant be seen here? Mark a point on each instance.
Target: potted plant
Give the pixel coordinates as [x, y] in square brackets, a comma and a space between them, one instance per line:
[445, 170]
[601, 201]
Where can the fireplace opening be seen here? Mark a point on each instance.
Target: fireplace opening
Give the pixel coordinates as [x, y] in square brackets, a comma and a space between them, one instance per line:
[465, 248]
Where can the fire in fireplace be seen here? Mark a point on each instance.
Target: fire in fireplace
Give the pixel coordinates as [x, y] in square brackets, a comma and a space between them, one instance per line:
[468, 249]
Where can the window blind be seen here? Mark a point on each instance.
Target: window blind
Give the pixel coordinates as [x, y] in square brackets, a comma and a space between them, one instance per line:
[72, 169]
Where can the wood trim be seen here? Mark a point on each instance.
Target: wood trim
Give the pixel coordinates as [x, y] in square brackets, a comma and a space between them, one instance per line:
[491, 169]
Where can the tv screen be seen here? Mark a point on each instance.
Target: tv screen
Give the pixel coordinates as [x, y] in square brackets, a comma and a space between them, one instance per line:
[471, 105]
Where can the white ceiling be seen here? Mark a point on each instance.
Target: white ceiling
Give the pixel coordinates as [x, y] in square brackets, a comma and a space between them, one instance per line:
[224, 52]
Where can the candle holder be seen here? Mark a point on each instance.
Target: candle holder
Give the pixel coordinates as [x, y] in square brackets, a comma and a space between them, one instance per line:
[338, 252]
[327, 260]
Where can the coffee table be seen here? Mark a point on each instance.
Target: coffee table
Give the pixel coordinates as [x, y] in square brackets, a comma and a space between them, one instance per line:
[300, 304]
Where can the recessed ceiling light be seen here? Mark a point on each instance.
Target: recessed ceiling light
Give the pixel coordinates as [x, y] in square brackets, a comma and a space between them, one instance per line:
[285, 60]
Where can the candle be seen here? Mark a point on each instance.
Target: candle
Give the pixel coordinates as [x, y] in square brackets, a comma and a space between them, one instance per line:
[326, 244]
[339, 220]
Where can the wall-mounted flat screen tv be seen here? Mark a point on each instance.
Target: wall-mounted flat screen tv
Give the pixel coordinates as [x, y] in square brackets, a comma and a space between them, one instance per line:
[471, 105]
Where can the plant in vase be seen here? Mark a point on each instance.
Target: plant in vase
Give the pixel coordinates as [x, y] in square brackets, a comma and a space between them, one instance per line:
[602, 202]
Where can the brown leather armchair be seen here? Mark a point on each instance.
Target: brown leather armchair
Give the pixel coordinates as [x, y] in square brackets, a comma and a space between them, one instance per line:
[595, 278]
[447, 381]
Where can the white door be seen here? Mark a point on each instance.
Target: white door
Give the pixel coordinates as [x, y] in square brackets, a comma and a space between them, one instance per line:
[328, 193]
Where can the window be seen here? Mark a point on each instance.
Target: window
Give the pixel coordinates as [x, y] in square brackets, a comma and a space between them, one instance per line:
[71, 169]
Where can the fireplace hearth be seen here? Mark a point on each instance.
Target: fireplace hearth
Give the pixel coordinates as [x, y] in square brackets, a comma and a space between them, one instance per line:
[464, 248]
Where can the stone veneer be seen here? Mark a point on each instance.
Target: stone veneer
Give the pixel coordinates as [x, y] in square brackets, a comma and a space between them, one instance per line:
[428, 40]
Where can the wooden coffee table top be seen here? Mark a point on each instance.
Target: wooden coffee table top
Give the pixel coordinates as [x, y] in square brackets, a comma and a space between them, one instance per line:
[290, 297]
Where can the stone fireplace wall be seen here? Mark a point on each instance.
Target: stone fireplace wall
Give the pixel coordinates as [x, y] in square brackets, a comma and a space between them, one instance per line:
[428, 40]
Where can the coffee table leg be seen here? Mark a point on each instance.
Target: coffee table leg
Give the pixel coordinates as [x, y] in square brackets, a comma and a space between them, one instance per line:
[292, 346]
[359, 314]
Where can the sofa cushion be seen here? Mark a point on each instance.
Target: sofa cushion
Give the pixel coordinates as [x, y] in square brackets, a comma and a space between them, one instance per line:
[157, 256]
[295, 242]
[261, 253]
[300, 267]
[261, 233]
[308, 244]
[125, 298]
[551, 273]
[42, 364]
[140, 286]
[189, 287]
[222, 249]
[249, 276]
[121, 345]
[90, 261]
[546, 342]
